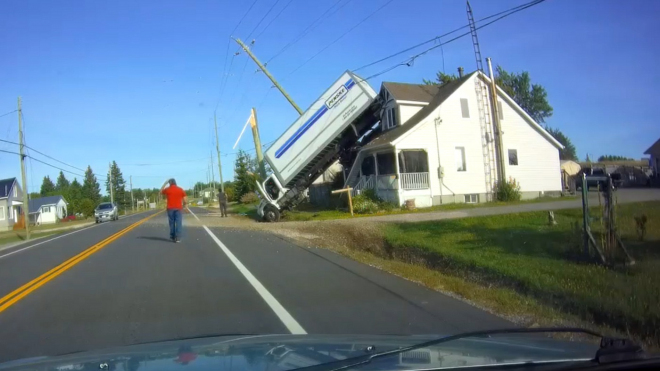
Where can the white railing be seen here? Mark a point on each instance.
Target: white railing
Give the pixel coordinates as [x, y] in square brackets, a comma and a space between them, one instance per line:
[366, 182]
[414, 180]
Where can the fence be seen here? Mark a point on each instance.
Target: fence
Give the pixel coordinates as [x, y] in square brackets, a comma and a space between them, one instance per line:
[414, 180]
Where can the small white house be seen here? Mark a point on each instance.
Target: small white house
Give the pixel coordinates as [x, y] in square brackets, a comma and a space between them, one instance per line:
[435, 144]
[11, 203]
[47, 210]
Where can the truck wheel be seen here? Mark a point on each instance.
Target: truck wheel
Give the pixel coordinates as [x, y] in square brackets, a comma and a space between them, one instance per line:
[271, 214]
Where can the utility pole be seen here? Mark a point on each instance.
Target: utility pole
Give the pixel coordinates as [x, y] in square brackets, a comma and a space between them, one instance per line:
[132, 203]
[261, 67]
[257, 143]
[212, 177]
[217, 150]
[496, 120]
[112, 196]
[26, 204]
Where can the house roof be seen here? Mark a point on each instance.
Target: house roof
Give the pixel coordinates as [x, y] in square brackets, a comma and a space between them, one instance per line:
[5, 186]
[654, 149]
[412, 92]
[37, 203]
[442, 93]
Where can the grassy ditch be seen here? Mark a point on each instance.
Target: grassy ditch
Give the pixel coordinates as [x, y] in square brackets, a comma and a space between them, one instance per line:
[522, 252]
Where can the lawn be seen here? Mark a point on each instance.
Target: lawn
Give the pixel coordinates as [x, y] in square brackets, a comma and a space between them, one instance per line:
[307, 212]
[524, 253]
[250, 210]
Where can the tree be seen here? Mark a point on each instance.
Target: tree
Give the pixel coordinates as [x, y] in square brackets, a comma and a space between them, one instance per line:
[47, 187]
[532, 98]
[87, 207]
[73, 194]
[614, 158]
[62, 183]
[244, 174]
[588, 159]
[569, 152]
[91, 188]
[118, 186]
[34, 195]
[441, 78]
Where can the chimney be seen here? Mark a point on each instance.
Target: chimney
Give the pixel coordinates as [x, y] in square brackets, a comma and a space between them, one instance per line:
[460, 72]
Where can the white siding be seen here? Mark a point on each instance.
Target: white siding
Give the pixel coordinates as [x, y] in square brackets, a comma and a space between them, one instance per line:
[407, 111]
[538, 166]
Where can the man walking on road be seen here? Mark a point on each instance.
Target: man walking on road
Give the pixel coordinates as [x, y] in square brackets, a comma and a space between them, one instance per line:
[176, 201]
[222, 199]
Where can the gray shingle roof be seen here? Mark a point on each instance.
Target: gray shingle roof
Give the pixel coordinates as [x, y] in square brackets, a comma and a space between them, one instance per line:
[412, 92]
[443, 92]
[37, 203]
[5, 187]
[654, 149]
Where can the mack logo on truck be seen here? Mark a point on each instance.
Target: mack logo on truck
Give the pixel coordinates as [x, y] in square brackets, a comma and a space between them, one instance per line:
[336, 97]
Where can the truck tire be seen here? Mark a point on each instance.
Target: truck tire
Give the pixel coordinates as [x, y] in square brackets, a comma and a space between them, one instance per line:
[271, 214]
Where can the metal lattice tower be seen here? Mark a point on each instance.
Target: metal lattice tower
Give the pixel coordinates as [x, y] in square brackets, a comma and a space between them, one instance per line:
[475, 39]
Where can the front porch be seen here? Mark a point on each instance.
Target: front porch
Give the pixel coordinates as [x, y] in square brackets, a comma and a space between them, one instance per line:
[396, 175]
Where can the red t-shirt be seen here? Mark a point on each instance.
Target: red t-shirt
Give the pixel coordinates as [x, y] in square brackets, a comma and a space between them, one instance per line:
[174, 196]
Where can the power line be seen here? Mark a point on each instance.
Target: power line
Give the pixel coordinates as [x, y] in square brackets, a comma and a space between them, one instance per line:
[274, 18]
[437, 38]
[340, 37]
[43, 154]
[309, 28]
[262, 19]
[8, 113]
[47, 164]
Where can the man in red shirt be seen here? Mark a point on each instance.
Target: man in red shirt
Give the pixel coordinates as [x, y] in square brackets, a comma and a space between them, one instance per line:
[176, 201]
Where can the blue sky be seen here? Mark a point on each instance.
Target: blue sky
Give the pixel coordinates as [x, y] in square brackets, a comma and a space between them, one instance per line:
[137, 81]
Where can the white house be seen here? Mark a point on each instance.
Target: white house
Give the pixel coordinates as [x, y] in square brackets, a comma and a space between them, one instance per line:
[11, 203]
[47, 210]
[436, 145]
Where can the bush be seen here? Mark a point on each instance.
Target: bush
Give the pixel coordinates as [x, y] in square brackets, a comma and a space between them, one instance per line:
[508, 191]
[87, 207]
[371, 194]
[387, 206]
[364, 205]
[249, 198]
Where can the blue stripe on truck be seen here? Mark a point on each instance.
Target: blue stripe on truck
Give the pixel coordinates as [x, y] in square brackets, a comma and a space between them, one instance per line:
[308, 124]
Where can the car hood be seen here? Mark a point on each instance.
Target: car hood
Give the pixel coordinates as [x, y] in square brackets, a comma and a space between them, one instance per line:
[287, 352]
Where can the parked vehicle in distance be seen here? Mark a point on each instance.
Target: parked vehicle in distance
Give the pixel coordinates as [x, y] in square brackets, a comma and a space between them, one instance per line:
[106, 211]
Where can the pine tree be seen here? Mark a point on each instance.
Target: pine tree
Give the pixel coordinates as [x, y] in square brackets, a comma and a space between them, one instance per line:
[91, 188]
[47, 187]
[118, 186]
[74, 195]
[244, 177]
[62, 183]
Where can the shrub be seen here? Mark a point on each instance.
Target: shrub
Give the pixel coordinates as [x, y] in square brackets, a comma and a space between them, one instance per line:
[364, 205]
[87, 207]
[371, 195]
[249, 198]
[508, 191]
[387, 206]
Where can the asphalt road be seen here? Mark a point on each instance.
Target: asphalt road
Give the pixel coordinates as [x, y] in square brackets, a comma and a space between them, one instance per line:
[119, 283]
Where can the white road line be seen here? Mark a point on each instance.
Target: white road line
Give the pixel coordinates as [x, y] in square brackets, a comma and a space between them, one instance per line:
[284, 316]
[60, 236]
[193, 214]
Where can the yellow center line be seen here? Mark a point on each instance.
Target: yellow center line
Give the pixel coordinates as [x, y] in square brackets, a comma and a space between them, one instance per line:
[16, 295]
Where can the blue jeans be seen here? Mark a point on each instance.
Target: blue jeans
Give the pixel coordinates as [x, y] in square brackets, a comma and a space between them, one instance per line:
[175, 217]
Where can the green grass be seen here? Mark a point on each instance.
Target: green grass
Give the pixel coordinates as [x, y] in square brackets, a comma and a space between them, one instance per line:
[521, 252]
[308, 212]
[250, 210]
[11, 237]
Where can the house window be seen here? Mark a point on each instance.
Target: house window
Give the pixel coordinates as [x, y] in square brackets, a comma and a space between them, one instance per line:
[413, 161]
[15, 191]
[465, 110]
[471, 199]
[45, 209]
[460, 159]
[500, 113]
[386, 164]
[390, 118]
[2, 213]
[513, 157]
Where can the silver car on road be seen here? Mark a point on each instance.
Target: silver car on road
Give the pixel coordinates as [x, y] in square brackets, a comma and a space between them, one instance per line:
[106, 211]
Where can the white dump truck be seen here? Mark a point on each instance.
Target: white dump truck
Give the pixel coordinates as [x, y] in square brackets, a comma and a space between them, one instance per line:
[331, 126]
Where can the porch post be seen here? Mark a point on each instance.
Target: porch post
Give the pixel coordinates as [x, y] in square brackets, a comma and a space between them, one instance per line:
[398, 174]
[375, 164]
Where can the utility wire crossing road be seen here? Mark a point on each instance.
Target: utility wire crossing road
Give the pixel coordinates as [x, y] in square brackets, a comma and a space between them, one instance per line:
[125, 282]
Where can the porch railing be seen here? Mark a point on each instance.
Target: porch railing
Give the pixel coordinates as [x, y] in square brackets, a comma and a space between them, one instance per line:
[414, 180]
[365, 182]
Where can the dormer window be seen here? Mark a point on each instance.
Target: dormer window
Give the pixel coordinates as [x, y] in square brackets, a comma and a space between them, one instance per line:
[391, 120]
